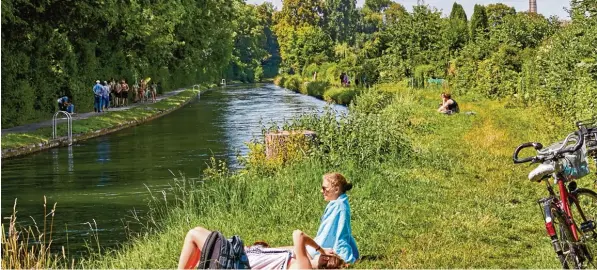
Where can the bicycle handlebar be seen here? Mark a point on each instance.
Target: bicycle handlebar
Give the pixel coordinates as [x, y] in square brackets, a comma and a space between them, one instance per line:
[536, 145]
[580, 138]
[550, 155]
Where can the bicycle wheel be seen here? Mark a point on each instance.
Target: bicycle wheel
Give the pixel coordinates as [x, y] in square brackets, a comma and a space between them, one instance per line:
[584, 211]
[565, 250]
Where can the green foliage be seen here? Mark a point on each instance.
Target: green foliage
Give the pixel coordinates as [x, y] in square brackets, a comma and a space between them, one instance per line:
[377, 5]
[566, 65]
[293, 83]
[341, 95]
[458, 13]
[45, 56]
[422, 73]
[316, 88]
[340, 20]
[302, 46]
[496, 13]
[479, 22]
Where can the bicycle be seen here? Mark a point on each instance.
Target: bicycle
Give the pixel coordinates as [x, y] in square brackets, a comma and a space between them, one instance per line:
[574, 245]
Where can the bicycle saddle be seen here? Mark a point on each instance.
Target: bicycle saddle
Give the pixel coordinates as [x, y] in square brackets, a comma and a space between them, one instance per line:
[541, 171]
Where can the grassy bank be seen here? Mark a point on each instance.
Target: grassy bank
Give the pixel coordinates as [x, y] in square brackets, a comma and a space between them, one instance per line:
[319, 89]
[93, 124]
[430, 190]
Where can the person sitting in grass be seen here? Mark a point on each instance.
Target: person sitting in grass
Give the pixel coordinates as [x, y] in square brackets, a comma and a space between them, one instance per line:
[334, 230]
[254, 257]
[448, 105]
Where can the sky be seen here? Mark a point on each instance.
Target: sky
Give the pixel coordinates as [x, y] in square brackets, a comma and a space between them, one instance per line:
[545, 7]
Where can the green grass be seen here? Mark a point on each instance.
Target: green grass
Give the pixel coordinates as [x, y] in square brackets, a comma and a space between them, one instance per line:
[441, 192]
[456, 201]
[92, 124]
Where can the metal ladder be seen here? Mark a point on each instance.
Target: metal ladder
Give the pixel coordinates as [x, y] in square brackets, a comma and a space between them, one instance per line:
[70, 126]
[196, 86]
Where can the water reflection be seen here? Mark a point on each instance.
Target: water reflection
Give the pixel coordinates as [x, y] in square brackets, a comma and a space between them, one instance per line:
[71, 160]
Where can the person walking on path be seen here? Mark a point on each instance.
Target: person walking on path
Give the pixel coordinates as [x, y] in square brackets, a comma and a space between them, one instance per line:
[97, 92]
[105, 95]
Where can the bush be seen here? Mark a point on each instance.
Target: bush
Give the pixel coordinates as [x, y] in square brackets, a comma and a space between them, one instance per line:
[316, 88]
[293, 83]
[357, 137]
[340, 95]
[279, 80]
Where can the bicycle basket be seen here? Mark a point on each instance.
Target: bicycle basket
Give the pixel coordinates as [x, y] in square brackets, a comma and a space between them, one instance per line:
[575, 165]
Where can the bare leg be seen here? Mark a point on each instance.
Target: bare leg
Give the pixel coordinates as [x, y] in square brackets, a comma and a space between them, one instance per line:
[191, 249]
[300, 241]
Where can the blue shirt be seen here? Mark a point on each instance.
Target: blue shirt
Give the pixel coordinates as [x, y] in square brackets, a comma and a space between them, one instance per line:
[97, 89]
[335, 232]
[63, 99]
[106, 91]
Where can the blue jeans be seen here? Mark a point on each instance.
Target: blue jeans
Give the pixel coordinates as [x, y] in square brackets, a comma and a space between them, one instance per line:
[98, 104]
[106, 102]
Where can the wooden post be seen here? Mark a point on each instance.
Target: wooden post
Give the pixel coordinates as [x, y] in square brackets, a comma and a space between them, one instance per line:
[279, 144]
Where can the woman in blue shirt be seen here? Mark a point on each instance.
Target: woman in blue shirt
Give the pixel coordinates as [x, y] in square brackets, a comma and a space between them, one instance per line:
[335, 231]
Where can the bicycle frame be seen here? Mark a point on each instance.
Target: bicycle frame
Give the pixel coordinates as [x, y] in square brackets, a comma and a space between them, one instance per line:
[563, 205]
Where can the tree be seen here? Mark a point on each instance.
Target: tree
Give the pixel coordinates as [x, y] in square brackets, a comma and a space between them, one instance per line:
[340, 19]
[456, 29]
[458, 13]
[377, 5]
[299, 13]
[496, 13]
[479, 24]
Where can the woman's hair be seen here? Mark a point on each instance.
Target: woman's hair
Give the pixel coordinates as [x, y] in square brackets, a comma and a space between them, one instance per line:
[331, 261]
[338, 180]
[447, 95]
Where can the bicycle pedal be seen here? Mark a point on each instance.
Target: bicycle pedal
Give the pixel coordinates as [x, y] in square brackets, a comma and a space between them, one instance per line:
[587, 226]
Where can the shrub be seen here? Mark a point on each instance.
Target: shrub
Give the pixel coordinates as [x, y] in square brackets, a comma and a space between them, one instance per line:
[316, 88]
[340, 95]
[279, 80]
[293, 83]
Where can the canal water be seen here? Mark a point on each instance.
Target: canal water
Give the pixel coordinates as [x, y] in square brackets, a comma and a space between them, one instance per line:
[104, 181]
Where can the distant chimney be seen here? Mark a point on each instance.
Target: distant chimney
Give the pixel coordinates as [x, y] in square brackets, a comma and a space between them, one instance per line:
[533, 6]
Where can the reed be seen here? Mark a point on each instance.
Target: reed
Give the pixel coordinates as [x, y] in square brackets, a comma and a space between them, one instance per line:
[29, 247]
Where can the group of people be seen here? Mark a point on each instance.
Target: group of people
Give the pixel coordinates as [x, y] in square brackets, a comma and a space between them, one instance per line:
[332, 248]
[118, 93]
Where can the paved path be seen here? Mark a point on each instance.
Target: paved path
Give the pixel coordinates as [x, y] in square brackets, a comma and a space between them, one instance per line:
[79, 116]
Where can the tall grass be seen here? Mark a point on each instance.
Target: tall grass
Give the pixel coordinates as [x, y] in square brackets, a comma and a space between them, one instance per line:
[29, 247]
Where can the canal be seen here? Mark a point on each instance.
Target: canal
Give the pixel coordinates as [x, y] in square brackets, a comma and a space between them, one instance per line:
[105, 180]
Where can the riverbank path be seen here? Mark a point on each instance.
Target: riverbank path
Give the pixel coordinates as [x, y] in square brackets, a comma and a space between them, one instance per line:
[78, 116]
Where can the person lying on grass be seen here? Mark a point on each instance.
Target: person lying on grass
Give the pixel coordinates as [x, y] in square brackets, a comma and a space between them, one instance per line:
[197, 241]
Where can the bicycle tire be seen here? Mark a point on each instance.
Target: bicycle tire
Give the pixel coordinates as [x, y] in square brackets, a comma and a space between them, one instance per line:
[567, 254]
[584, 211]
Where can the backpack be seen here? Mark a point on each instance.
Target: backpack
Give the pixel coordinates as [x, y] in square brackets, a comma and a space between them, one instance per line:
[221, 253]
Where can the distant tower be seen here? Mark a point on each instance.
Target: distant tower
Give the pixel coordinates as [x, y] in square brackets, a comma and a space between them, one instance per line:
[533, 6]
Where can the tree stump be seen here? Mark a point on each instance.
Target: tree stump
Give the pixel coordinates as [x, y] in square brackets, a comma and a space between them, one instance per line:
[286, 145]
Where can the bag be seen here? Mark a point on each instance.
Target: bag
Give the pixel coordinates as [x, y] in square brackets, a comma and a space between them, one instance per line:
[575, 165]
[221, 253]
